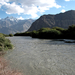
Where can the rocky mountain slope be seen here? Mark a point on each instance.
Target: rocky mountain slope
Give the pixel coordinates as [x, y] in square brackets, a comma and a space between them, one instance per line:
[59, 20]
[13, 25]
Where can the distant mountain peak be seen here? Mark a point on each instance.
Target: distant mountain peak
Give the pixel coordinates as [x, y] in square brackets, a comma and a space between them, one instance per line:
[10, 18]
[13, 25]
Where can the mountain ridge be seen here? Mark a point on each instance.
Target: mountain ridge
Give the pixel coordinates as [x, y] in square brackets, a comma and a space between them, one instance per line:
[13, 25]
[58, 20]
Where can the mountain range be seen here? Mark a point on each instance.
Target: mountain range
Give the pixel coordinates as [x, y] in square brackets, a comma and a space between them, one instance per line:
[63, 20]
[13, 25]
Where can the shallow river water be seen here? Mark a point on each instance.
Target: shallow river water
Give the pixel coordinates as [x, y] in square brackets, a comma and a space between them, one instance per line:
[41, 57]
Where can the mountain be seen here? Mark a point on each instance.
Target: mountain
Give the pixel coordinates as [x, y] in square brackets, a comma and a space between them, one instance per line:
[13, 25]
[59, 20]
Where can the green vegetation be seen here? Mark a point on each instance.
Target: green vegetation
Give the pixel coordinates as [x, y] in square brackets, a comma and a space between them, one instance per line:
[10, 35]
[51, 33]
[5, 43]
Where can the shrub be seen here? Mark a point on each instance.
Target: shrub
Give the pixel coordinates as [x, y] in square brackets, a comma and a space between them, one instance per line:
[34, 34]
[10, 35]
[59, 29]
[49, 34]
[44, 29]
[1, 49]
[8, 46]
[70, 33]
[4, 43]
[2, 40]
[53, 33]
[71, 28]
[1, 35]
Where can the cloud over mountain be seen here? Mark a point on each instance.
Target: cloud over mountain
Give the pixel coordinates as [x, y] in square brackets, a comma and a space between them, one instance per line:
[28, 7]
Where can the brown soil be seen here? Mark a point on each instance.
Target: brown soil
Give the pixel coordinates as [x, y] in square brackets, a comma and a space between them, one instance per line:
[5, 69]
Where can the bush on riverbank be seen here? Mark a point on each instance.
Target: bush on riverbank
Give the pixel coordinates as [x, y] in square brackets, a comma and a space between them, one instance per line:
[5, 43]
[10, 35]
[51, 33]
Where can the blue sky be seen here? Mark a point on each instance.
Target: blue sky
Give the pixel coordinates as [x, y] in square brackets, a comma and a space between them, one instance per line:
[26, 9]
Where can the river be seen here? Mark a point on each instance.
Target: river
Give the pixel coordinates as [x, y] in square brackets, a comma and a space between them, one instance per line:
[41, 57]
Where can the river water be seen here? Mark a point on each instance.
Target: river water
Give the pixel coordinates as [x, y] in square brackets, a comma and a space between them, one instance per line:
[41, 57]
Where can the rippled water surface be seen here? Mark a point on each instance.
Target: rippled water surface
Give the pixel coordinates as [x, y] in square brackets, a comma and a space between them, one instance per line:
[42, 57]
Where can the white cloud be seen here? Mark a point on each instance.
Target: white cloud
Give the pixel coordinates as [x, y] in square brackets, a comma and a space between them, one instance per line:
[29, 7]
[62, 10]
[20, 18]
[13, 8]
[67, 0]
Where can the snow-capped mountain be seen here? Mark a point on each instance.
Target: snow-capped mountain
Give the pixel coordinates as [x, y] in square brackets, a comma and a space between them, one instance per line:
[11, 18]
[13, 25]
